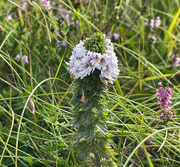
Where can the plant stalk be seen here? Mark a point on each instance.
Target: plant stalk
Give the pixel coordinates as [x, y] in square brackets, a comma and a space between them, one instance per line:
[97, 158]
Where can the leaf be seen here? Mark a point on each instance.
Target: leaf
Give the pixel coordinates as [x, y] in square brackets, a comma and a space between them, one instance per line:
[89, 133]
[87, 106]
[102, 127]
[84, 148]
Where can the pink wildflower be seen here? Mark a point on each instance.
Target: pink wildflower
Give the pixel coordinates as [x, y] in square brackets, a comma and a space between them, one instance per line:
[56, 32]
[66, 16]
[47, 4]
[154, 39]
[18, 58]
[9, 17]
[146, 23]
[157, 22]
[23, 6]
[154, 23]
[116, 8]
[177, 62]
[60, 7]
[164, 96]
[115, 36]
[25, 59]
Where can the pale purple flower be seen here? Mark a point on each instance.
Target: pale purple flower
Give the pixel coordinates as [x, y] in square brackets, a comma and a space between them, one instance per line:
[60, 7]
[146, 23]
[9, 17]
[18, 58]
[96, 61]
[177, 62]
[116, 8]
[173, 56]
[56, 32]
[160, 84]
[76, 23]
[66, 16]
[157, 22]
[154, 23]
[25, 59]
[47, 4]
[153, 38]
[115, 36]
[63, 43]
[149, 141]
[23, 5]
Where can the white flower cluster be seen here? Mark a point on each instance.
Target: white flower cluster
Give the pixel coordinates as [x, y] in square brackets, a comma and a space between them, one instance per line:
[83, 62]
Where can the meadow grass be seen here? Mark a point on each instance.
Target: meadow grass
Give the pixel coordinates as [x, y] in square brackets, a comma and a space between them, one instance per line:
[47, 137]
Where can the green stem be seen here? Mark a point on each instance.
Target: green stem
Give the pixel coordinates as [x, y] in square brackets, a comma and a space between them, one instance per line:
[97, 158]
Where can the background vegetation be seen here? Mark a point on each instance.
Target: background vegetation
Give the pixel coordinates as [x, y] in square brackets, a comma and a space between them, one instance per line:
[46, 138]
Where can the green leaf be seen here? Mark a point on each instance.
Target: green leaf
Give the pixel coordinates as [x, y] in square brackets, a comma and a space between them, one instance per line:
[84, 148]
[89, 133]
[102, 127]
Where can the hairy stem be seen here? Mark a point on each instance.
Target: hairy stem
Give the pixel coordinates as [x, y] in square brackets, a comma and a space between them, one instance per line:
[97, 158]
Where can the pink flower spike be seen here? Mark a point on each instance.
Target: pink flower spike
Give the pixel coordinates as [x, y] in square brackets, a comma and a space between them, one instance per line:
[164, 96]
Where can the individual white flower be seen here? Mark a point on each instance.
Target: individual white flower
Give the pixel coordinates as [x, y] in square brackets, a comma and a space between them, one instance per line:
[96, 61]
[103, 61]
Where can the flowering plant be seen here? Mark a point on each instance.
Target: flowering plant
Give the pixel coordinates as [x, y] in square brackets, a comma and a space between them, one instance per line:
[93, 63]
[94, 54]
[164, 96]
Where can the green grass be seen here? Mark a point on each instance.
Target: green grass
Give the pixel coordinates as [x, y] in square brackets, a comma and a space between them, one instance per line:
[47, 137]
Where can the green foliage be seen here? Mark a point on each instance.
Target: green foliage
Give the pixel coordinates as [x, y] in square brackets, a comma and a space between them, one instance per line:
[96, 43]
[89, 119]
[127, 109]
